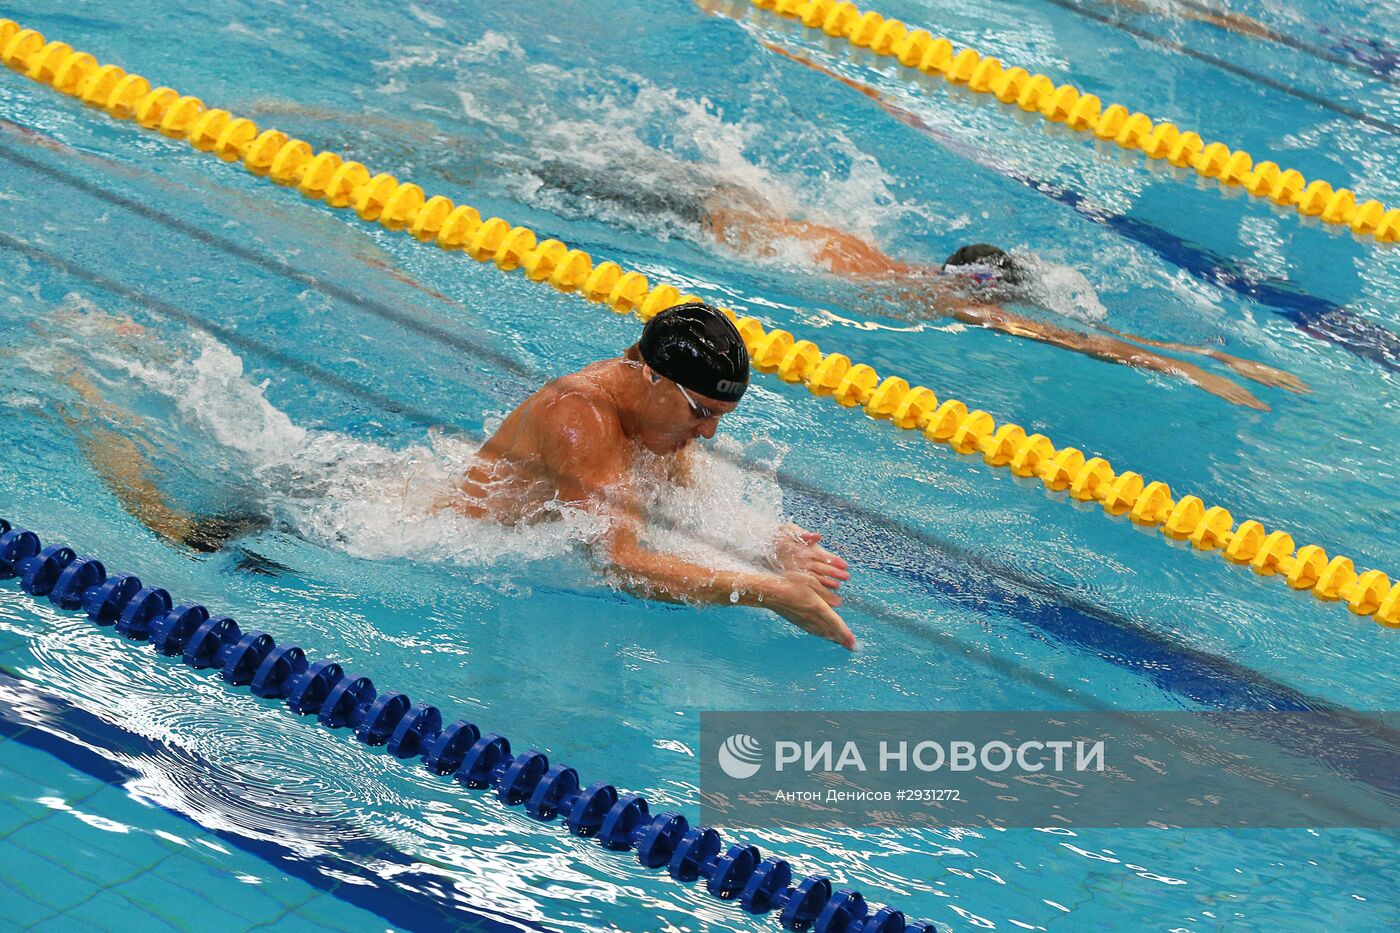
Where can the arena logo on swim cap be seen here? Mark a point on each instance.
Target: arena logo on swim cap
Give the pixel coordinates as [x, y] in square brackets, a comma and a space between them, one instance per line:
[730, 387]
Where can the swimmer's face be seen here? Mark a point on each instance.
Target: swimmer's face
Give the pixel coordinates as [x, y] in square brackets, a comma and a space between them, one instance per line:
[676, 416]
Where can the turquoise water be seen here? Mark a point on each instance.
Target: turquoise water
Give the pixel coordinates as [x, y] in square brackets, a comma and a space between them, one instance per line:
[271, 357]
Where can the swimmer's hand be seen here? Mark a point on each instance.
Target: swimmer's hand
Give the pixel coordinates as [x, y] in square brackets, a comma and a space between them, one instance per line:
[799, 549]
[1221, 387]
[804, 600]
[1262, 373]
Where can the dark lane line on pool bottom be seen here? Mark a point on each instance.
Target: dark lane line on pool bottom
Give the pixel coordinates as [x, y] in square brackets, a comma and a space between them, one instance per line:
[971, 581]
[273, 264]
[1380, 61]
[100, 749]
[1173, 666]
[406, 410]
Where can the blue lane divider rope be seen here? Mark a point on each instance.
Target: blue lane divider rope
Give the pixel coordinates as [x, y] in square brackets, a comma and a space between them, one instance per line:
[475, 759]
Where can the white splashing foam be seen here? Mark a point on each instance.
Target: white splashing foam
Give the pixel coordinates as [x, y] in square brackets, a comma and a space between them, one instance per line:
[727, 517]
[657, 136]
[427, 19]
[1060, 289]
[1050, 287]
[616, 124]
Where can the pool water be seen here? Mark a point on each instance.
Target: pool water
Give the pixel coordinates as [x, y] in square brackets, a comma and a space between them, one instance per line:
[321, 381]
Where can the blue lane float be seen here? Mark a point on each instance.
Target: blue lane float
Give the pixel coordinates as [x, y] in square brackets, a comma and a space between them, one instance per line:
[475, 759]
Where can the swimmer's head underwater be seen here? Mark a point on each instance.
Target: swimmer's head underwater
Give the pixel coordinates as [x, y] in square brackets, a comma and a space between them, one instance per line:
[984, 264]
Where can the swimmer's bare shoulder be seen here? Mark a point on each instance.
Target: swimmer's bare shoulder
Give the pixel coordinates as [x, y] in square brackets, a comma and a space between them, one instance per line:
[564, 442]
[578, 435]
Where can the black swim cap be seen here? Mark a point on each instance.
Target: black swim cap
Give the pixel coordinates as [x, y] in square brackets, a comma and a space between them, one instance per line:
[697, 346]
[984, 254]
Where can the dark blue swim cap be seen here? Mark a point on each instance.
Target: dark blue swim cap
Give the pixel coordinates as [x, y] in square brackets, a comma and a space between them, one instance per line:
[697, 346]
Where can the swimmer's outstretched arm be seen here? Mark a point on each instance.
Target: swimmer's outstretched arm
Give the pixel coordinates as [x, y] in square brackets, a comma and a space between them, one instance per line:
[796, 595]
[1102, 347]
[1259, 372]
[1224, 19]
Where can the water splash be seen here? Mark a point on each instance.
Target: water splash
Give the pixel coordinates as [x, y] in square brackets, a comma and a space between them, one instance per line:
[190, 397]
[1059, 289]
[631, 145]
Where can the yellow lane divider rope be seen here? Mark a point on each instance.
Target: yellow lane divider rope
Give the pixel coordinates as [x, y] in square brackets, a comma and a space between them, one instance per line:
[1035, 93]
[382, 198]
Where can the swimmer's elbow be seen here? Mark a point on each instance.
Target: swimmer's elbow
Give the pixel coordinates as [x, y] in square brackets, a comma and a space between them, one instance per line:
[632, 570]
[622, 554]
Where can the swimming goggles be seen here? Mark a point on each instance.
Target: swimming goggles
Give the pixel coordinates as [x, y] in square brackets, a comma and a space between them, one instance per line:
[697, 411]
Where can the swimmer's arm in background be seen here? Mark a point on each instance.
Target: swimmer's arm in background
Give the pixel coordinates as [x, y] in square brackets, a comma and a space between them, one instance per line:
[587, 456]
[1259, 372]
[1109, 349]
[1223, 19]
[129, 475]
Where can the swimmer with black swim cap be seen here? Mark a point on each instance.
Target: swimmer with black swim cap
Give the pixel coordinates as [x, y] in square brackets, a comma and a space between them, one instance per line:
[984, 264]
[699, 353]
[578, 441]
[698, 348]
[759, 230]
